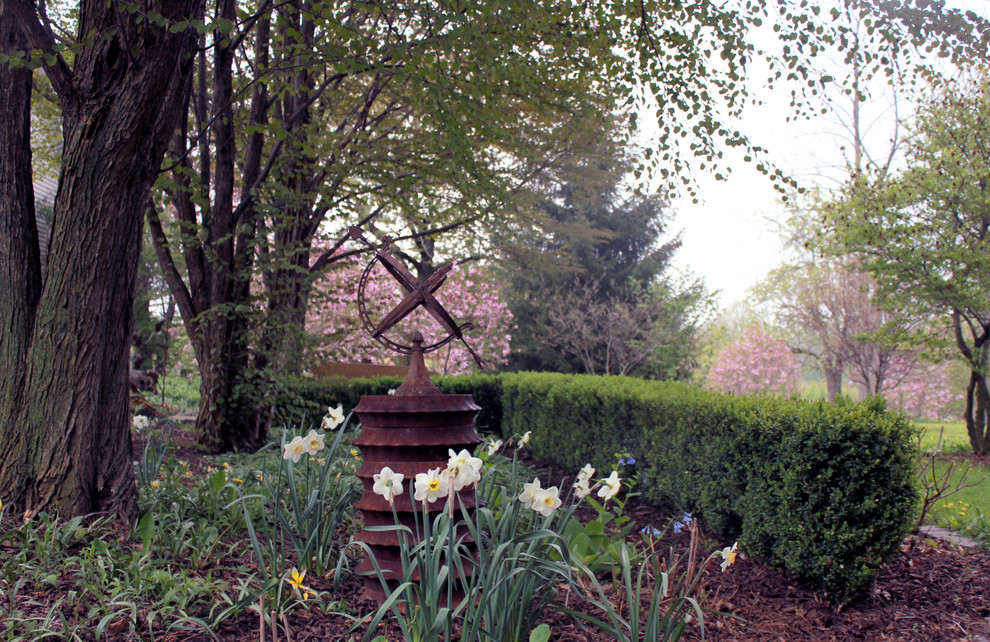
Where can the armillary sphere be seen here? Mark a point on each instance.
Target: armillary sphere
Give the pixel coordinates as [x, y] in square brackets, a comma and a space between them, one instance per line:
[418, 293]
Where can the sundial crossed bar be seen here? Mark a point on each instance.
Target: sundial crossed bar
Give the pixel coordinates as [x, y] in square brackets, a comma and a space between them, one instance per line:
[418, 293]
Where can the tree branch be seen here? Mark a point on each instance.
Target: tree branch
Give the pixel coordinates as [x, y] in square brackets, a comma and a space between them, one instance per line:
[38, 37]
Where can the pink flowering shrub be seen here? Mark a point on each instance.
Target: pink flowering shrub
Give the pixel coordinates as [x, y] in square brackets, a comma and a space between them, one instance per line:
[757, 364]
[469, 295]
[926, 393]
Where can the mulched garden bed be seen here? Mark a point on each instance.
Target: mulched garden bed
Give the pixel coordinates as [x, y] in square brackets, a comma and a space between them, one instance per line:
[932, 590]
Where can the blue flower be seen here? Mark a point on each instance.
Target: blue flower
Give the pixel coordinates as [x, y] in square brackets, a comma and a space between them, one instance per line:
[651, 530]
[687, 519]
[678, 527]
[627, 461]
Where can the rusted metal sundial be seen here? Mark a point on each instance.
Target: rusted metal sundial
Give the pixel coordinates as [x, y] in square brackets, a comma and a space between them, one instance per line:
[411, 431]
[418, 293]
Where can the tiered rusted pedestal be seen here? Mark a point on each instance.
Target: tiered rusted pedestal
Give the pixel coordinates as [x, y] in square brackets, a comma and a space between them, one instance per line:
[410, 432]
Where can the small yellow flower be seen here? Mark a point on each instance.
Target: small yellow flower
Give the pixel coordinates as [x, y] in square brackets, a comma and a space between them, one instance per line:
[226, 466]
[27, 515]
[239, 481]
[154, 483]
[296, 580]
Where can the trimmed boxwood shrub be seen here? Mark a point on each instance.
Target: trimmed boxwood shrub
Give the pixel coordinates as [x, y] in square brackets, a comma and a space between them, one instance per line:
[579, 419]
[487, 392]
[835, 497]
[824, 491]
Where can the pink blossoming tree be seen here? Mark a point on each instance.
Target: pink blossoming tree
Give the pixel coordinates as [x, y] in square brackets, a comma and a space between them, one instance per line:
[927, 392]
[335, 331]
[757, 364]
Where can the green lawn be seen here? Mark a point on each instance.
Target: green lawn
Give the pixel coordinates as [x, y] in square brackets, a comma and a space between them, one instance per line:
[967, 511]
[955, 439]
[181, 394]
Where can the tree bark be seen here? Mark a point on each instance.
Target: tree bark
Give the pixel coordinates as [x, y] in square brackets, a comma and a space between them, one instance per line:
[120, 104]
[978, 413]
[20, 259]
[833, 382]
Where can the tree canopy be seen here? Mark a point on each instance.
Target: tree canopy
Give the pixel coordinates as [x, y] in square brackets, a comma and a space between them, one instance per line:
[924, 233]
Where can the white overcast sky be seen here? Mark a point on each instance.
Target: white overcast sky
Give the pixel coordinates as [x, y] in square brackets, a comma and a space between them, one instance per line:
[729, 238]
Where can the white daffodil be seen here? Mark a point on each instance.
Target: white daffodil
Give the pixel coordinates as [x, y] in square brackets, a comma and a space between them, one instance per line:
[610, 486]
[525, 438]
[430, 486]
[313, 442]
[728, 556]
[333, 418]
[465, 468]
[586, 473]
[581, 488]
[528, 495]
[388, 484]
[294, 449]
[545, 502]
[494, 447]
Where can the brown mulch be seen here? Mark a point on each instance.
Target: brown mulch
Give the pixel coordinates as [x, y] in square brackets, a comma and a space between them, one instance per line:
[932, 591]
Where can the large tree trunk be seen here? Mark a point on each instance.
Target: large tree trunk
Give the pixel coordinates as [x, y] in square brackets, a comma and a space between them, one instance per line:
[978, 413]
[833, 382]
[229, 390]
[120, 104]
[285, 325]
[20, 267]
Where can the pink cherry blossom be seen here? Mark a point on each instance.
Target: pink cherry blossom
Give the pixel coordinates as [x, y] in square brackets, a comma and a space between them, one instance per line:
[757, 364]
[469, 295]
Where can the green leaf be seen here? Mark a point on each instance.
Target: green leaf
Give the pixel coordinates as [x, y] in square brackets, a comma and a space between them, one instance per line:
[540, 633]
[595, 528]
[146, 531]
